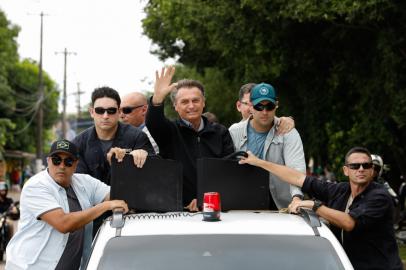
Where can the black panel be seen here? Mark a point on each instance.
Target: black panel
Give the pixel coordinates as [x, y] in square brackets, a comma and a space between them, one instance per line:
[241, 187]
[156, 187]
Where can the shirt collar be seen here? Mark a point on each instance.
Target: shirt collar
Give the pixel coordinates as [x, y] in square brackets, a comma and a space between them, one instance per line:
[187, 123]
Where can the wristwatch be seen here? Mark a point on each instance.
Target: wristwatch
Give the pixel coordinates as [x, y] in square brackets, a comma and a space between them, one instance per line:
[316, 205]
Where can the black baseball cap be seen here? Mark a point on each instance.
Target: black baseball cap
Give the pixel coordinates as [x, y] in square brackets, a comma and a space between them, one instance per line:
[64, 146]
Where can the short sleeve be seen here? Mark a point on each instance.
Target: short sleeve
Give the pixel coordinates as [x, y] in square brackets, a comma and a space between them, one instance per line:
[38, 199]
[371, 211]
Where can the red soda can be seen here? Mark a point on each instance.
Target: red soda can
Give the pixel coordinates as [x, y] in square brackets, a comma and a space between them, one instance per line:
[211, 206]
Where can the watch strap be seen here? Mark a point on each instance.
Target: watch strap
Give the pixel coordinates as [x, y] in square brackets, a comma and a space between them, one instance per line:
[316, 205]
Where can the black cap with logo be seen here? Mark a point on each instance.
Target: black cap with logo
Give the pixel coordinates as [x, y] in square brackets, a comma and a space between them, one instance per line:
[64, 146]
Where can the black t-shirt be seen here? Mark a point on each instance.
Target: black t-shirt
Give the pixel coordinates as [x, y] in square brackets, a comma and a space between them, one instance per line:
[72, 254]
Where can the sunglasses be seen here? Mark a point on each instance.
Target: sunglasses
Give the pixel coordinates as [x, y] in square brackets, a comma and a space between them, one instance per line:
[356, 166]
[269, 107]
[127, 110]
[100, 110]
[57, 160]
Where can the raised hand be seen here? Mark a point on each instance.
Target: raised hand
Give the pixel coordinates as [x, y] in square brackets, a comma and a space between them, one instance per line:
[163, 84]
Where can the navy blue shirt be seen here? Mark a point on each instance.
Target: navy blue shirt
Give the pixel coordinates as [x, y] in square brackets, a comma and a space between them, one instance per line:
[371, 244]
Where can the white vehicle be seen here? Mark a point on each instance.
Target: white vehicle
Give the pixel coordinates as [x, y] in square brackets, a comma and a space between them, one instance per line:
[241, 240]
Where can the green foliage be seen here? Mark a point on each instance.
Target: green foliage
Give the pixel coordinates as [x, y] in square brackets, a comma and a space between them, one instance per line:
[5, 125]
[338, 65]
[8, 57]
[24, 81]
[19, 94]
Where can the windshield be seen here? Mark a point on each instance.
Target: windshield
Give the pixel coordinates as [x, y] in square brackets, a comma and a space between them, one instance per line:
[219, 252]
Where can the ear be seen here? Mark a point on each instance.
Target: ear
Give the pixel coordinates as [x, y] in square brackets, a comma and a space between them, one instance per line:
[91, 110]
[345, 170]
[237, 105]
[174, 106]
[277, 104]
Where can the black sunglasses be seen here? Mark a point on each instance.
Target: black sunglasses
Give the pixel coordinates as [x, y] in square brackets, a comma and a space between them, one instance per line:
[269, 107]
[57, 160]
[100, 110]
[356, 166]
[127, 110]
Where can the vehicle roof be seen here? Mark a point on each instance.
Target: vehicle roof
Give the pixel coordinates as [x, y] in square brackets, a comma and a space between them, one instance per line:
[232, 222]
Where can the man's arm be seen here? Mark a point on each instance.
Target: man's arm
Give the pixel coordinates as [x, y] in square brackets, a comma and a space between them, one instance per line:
[158, 125]
[284, 173]
[335, 217]
[294, 158]
[69, 222]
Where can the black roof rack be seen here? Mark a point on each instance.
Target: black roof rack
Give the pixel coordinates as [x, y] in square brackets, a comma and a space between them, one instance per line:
[312, 219]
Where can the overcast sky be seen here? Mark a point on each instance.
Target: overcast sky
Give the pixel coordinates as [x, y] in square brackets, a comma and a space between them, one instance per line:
[106, 36]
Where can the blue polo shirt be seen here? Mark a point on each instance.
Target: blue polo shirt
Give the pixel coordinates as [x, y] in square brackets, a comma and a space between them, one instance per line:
[36, 244]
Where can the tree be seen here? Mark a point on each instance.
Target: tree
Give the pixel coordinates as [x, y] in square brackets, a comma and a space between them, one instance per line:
[18, 94]
[338, 66]
[24, 82]
[8, 56]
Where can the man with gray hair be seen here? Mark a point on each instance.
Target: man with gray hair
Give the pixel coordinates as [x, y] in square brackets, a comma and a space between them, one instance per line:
[191, 136]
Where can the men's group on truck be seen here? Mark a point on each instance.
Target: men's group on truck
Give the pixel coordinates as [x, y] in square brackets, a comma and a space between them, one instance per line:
[59, 204]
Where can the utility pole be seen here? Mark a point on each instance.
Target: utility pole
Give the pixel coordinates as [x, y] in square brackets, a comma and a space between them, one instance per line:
[78, 93]
[40, 113]
[64, 129]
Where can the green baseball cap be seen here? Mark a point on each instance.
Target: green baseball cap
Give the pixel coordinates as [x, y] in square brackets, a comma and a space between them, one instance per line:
[261, 92]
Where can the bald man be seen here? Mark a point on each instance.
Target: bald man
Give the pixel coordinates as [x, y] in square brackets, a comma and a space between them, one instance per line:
[133, 110]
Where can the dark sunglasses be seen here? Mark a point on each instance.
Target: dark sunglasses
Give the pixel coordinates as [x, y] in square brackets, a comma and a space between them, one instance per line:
[356, 166]
[127, 110]
[57, 160]
[100, 110]
[269, 107]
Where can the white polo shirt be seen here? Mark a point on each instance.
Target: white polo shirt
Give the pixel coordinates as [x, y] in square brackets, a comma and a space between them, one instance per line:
[36, 244]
